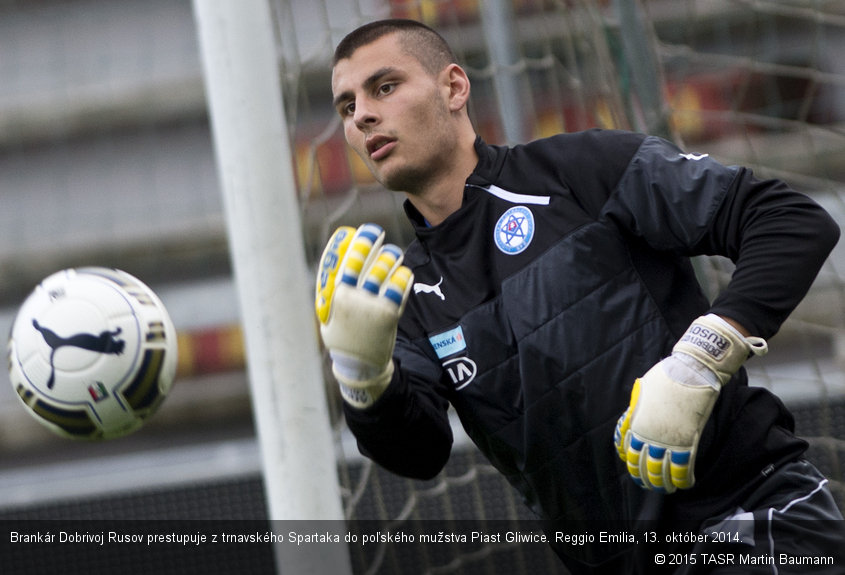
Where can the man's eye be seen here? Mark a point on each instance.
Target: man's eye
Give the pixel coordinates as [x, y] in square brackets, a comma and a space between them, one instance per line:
[386, 89]
[349, 109]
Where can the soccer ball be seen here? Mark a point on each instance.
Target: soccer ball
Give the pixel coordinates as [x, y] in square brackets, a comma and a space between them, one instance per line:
[92, 353]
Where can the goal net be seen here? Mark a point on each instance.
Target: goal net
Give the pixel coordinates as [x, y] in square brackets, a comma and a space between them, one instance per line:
[757, 83]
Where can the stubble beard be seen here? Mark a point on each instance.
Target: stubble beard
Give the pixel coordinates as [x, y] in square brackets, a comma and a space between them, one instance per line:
[416, 179]
[410, 180]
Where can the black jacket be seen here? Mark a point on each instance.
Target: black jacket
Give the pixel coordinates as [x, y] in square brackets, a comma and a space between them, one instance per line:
[563, 277]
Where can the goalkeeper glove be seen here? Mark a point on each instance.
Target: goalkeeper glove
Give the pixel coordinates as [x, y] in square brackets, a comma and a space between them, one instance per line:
[657, 437]
[362, 289]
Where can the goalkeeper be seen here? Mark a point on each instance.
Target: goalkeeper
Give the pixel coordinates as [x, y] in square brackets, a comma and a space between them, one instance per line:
[549, 299]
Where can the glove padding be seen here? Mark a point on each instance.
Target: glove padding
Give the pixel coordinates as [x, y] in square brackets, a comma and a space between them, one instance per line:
[362, 289]
[657, 436]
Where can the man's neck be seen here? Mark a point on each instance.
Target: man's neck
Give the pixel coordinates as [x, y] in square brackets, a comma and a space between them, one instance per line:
[443, 197]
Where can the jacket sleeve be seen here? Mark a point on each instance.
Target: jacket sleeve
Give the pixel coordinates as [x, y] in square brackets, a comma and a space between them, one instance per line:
[693, 205]
[778, 240]
[407, 430]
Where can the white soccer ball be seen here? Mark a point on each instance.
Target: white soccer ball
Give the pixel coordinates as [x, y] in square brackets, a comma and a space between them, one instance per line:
[92, 353]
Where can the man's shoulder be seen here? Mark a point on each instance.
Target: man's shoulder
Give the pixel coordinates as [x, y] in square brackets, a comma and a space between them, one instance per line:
[595, 139]
[577, 155]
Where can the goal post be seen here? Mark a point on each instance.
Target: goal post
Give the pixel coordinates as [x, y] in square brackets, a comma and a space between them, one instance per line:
[253, 155]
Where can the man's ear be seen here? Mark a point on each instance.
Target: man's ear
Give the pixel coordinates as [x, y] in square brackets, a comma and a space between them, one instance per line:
[459, 86]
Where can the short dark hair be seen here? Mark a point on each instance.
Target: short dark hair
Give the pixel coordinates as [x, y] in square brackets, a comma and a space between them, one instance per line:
[417, 39]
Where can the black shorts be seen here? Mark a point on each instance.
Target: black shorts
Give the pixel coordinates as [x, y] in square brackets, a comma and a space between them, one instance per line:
[790, 524]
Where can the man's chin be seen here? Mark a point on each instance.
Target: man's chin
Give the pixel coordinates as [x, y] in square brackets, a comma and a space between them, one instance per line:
[399, 181]
[390, 182]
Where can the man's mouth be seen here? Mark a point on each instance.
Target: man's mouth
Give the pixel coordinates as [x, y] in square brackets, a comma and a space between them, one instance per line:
[379, 146]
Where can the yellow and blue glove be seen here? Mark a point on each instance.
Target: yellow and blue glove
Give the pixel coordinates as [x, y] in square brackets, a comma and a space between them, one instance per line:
[657, 436]
[362, 289]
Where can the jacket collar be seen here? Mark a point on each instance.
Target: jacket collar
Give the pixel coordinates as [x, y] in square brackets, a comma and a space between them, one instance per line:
[490, 161]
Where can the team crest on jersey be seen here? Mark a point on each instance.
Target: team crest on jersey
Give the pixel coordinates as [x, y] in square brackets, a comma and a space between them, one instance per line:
[514, 230]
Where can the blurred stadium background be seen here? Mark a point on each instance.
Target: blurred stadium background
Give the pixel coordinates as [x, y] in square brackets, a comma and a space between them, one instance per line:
[106, 159]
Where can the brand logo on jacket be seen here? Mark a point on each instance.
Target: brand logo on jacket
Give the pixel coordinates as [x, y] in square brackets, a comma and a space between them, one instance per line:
[449, 342]
[461, 371]
[420, 287]
[514, 230]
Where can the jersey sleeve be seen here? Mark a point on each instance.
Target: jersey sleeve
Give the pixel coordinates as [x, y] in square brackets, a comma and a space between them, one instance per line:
[691, 204]
[407, 430]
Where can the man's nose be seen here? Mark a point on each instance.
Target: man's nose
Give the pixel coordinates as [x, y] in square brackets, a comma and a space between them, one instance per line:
[365, 115]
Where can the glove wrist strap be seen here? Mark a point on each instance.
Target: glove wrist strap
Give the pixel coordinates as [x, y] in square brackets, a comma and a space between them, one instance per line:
[719, 346]
[362, 393]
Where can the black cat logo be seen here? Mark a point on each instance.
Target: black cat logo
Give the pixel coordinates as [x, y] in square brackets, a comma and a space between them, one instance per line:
[106, 343]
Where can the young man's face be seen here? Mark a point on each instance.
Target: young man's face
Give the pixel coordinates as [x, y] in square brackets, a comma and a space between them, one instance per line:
[395, 114]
